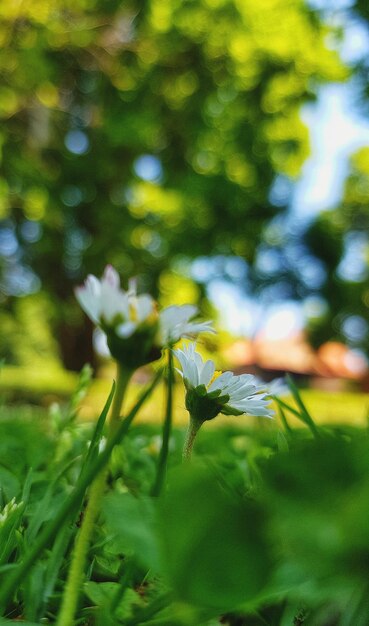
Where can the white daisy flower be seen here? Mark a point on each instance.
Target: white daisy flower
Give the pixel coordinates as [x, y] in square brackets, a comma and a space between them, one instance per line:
[108, 306]
[135, 331]
[130, 321]
[175, 324]
[210, 393]
[279, 387]
[276, 387]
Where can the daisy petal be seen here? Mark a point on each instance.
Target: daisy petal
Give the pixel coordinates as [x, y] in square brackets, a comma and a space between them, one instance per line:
[111, 277]
[221, 381]
[88, 303]
[145, 306]
[207, 373]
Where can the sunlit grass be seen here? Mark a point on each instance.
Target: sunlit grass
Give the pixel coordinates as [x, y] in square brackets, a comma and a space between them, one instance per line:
[325, 407]
[26, 385]
[35, 384]
[337, 407]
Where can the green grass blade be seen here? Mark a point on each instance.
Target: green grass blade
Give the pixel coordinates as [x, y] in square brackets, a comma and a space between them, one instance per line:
[97, 434]
[283, 418]
[54, 564]
[27, 486]
[287, 406]
[304, 414]
[41, 512]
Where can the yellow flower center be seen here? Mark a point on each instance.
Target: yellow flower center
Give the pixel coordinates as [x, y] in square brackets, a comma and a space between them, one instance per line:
[132, 312]
[216, 375]
[150, 320]
[154, 315]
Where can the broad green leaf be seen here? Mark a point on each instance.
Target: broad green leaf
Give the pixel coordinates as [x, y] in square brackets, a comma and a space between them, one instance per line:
[132, 521]
[9, 484]
[102, 595]
[318, 494]
[214, 550]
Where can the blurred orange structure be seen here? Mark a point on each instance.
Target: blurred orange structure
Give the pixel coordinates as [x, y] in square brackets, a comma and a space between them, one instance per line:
[329, 366]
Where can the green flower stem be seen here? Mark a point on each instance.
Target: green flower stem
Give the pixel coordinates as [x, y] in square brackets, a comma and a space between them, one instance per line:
[167, 429]
[123, 379]
[193, 428]
[76, 571]
[96, 492]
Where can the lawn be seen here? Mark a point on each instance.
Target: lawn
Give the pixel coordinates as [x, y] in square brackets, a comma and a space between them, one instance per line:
[25, 386]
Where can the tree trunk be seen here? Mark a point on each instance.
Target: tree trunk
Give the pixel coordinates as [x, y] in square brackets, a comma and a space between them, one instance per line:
[76, 347]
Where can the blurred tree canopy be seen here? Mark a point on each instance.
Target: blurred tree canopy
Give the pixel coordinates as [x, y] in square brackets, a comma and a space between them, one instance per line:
[339, 239]
[144, 134]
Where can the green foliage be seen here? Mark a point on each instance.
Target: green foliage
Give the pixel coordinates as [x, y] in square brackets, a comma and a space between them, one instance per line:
[137, 536]
[316, 491]
[333, 237]
[325, 238]
[214, 546]
[27, 337]
[209, 91]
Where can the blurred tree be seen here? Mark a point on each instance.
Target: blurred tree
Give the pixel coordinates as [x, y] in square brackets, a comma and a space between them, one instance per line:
[339, 239]
[145, 134]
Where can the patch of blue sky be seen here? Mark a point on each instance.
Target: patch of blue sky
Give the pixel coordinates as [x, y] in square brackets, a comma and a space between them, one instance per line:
[336, 130]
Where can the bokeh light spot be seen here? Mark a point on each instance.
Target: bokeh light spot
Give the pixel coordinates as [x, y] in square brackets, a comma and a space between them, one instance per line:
[77, 142]
[148, 167]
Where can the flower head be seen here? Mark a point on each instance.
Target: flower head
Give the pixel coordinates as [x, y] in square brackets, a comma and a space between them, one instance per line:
[175, 323]
[210, 393]
[109, 306]
[130, 321]
[135, 330]
[276, 387]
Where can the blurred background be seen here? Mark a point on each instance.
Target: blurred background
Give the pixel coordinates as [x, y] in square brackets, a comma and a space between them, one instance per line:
[216, 149]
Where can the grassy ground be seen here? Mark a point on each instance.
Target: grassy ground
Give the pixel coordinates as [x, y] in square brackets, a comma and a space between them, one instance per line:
[28, 387]
[36, 386]
[325, 407]
[337, 407]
